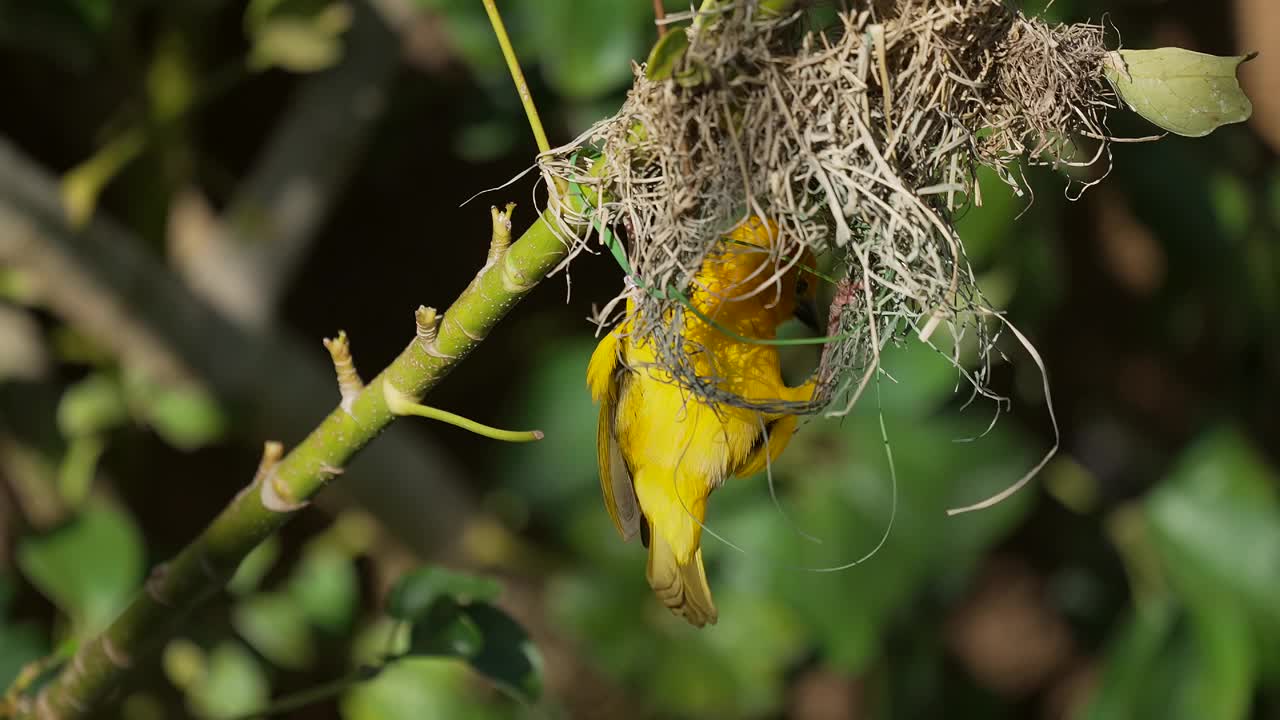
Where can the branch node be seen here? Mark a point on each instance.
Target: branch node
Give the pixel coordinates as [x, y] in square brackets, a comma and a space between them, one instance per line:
[155, 585]
[398, 403]
[501, 237]
[349, 382]
[274, 495]
[472, 336]
[428, 329]
[43, 711]
[427, 321]
[514, 280]
[208, 567]
[77, 664]
[272, 451]
[118, 657]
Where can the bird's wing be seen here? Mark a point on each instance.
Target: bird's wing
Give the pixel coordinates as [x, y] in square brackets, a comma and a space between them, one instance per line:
[768, 446]
[607, 380]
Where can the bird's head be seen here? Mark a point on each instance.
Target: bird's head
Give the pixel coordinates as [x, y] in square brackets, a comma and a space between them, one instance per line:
[746, 280]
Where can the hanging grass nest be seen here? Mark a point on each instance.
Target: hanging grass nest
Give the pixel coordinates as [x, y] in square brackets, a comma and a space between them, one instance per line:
[858, 137]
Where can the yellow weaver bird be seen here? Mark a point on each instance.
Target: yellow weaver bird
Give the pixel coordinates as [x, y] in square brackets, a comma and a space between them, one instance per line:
[662, 450]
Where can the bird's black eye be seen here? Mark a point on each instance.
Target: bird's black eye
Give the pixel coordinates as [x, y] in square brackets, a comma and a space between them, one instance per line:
[802, 286]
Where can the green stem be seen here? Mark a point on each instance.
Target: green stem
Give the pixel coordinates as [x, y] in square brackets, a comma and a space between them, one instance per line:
[201, 568]
[402, 407]
[313, 695]
[517, 76]
[445, 416]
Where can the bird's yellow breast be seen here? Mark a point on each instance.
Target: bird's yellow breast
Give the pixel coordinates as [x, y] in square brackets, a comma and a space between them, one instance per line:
[681, 447]
[663, 447]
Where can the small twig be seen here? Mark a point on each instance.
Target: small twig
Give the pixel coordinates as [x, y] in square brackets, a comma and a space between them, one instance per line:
[401, 405]
[517, 76]
[427, 323]
[659, 14]
[500, 239]
[275, 496]
[349, 382]
[313, 695]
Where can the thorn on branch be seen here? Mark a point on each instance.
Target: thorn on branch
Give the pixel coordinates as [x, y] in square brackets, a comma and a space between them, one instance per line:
[513, 278]
[275, 496]
[116, 655]
[427, 321]
[349, 382]
[400, 404]
[155, 585]
[428, 329]
[272, 451]
[501, 237]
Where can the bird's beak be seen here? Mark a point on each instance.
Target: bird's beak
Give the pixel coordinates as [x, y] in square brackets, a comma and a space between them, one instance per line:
[807, 313]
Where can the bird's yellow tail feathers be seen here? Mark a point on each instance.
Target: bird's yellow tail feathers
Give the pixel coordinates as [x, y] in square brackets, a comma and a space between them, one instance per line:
[682, 588]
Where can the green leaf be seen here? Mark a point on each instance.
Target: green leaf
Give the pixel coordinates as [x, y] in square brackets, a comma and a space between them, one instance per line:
[88, 567]
[301, 44]
[417, 591]
[185, 663]
[774, 8]
[1182, 91]
[508, 657]
[255, 566]
[1133, 684]
[234, 684]
[273, 625]
[1216, 521]
[91, 406]
[1162, 667]
[446, 630]
[666, 54]
[587, 46]
[171, 80]
[83, 184]
[186, 416]
[1224, 687]
[495, 645]
[417, 688]
[1232, 203]
[20, 643]
[325, 587]
[78, 467]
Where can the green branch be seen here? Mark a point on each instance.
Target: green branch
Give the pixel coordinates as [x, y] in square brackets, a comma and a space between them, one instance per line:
[283, 487]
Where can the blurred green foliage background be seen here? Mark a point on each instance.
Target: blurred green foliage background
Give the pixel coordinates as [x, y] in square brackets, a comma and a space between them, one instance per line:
[297, 167]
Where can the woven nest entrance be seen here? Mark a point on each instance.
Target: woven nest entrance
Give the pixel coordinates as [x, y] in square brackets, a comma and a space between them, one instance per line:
[858, 136]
